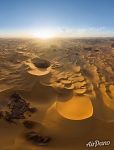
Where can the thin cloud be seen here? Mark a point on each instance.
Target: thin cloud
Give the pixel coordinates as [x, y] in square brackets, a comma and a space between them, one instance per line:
[87, 32]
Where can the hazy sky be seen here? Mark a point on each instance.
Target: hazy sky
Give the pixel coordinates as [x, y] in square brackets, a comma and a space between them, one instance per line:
[66, 17]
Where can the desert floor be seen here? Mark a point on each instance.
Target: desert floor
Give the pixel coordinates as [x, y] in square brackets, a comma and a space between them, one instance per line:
[69, 81]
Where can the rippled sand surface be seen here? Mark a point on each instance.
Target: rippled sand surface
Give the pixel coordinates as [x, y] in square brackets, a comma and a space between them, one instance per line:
[70, 81]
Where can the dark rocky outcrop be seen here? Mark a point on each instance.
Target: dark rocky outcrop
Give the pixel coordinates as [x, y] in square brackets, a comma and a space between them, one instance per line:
[29, 124]
[37, 139]
[41, 63]
[17, 107]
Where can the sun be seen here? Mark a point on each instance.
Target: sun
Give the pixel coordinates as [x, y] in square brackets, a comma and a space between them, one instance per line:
[45, 34]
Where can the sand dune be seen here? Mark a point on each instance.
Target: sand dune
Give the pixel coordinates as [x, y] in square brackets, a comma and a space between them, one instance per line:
[78, 108]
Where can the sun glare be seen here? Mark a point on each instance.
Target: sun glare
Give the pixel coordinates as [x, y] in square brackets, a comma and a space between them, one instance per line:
[45, 34]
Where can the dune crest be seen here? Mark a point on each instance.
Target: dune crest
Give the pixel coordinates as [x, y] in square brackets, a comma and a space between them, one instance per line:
[38, 67]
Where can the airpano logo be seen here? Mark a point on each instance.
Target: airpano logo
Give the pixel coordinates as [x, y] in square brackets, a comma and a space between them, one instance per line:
[97, 143]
